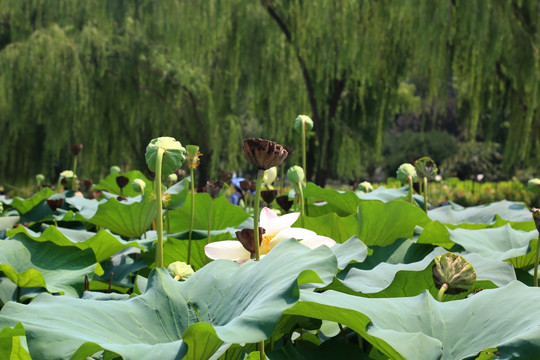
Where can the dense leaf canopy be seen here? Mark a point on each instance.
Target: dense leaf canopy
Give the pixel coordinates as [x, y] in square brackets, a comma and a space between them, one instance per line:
[115, 74]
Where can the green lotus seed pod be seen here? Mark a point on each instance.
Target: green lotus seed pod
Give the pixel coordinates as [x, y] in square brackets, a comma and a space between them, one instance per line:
[114, 170]
[180, 271]
[454, 271]
[138, 185]
[40, 178]
[365, 186]
[173, 156]
[303, 120]
[534, 186]
[295, 174]
[404, 171]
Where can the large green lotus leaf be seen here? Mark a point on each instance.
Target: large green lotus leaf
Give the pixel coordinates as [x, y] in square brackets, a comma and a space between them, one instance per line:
[381, 223]
[394, 280]
[243, 303]
[383, 194]
[332, 349]
[10, 343]
[435, 233]
[224, 214]
[103, 243]
[109, 183]
[177, 249]
[86, 208]
[7, 222]
[343, 203]
[130, 220]
[335, 227]
[57, 268]
[9, 292]
[518, 225]
[422, 328]
[482, 214]
[352, 250]
[25, 205]
[500, 243]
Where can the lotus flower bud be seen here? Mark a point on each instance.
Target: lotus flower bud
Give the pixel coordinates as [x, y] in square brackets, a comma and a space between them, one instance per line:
[534, 186]
[454, 271]
[295, 174]
[270, 176]
[193, 156]
[40, 178]
[305, 121]
[138, 185]
[264, 154]
[114, 170]
[405, 171]
[180, 271]
[172, 178]
[365, 186]
[173, 156]
[426, 167]
[536, 217]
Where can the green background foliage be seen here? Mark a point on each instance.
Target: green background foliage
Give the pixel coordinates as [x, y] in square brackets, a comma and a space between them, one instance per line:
[112, 75]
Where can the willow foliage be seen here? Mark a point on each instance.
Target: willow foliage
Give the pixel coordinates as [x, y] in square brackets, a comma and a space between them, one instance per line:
[115, 74]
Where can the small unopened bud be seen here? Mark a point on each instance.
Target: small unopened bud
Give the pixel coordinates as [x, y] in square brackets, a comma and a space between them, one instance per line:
[172, 178]
[303, 121]
[114, 170]
[536, 217]
[270, 176]
[534, 186]
[138, 185]
[180, 271]
[40, 178]
[295, 174]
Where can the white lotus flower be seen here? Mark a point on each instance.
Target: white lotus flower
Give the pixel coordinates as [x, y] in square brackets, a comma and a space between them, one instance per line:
[277, 228]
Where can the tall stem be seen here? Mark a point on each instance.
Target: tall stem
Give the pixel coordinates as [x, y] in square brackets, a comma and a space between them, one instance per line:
[192, 184]
[442, 290]
[410, 194]
[304, 150]
[301, 195]
[425, 194]
[536, 262]
[74, 172]
[159, 205]
[209, 221]
[257, 200]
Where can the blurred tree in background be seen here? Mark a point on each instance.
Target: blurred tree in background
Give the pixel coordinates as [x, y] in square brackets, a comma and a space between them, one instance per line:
[115, 74]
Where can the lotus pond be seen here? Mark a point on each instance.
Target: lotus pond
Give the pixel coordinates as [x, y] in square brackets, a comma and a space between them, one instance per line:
[374, 276]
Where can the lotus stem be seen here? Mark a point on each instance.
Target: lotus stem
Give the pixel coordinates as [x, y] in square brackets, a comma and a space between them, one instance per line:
[442, 290]
[302, 208]
[304, 150]
[410, 194]
[192, 184]
[209, 221]
[536, 262]
[159, 205]
[261, 350]
[74, 173]
[425, 194]
[257, 200]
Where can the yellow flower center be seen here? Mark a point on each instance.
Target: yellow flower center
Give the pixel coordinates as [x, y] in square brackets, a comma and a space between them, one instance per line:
[265, 245]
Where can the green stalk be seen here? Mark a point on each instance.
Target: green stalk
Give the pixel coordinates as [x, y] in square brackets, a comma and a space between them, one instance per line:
[536, 262]
[74, 172]
[159, 205]
[425, 194]
[301, 195]
[209, 222]
[192, 184]
[257, 200]
[410, 194]
[442, 290]
[304, 150]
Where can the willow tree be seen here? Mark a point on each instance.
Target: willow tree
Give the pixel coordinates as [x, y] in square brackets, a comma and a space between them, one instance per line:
[115, 74]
